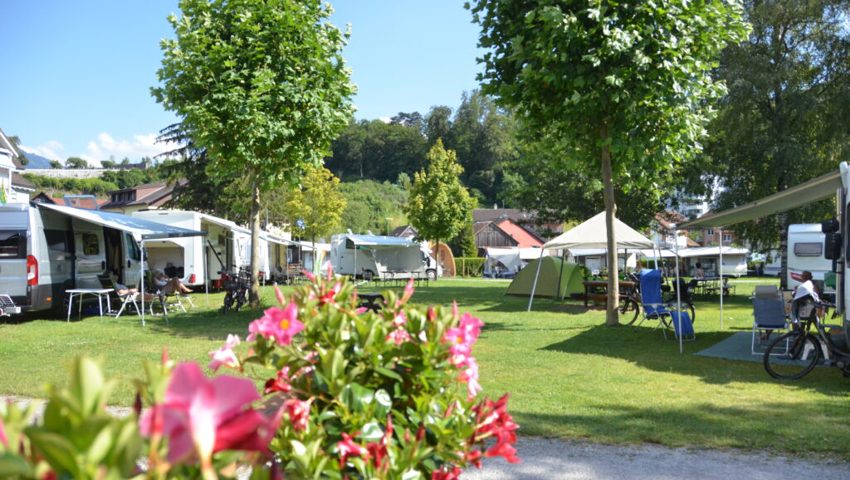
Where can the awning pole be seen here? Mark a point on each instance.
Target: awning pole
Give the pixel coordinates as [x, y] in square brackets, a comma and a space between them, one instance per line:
[206, 275]
[142, 281]
[534, 285]
[560, 276]
[678, 290]
[720, 270]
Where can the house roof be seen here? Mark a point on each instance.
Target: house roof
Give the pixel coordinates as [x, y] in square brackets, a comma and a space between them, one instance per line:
[523, 237]
[151, 194]
[668, 219]
[86, 202]
[19, 181]
[495, 214]
[403, 231]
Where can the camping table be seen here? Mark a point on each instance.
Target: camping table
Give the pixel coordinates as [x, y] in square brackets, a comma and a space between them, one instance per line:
[80, 292]
[600, 287]
[371, 301]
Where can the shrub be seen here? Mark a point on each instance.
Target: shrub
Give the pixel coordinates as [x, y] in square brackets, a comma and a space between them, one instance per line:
[348, 393]
[469, 266]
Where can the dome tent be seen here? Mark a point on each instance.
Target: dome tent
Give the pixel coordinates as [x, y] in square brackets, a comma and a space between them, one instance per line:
[558, 279]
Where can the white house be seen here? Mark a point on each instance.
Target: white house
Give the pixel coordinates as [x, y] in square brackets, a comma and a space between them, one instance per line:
[13, 187]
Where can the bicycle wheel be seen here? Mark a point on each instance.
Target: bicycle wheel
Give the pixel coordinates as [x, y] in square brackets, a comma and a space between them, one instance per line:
[629, 310]
[792, 356]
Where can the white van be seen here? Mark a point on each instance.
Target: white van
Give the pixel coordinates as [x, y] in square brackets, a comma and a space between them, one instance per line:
[48, 249]
[381, 257]
[806, 252]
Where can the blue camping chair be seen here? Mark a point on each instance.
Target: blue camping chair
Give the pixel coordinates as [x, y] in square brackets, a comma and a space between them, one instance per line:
[768, 315]
[654, 307]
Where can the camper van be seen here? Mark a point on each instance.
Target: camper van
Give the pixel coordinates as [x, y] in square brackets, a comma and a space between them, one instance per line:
[196, 260]
[47, 249]
[806, 252]
[381, 258]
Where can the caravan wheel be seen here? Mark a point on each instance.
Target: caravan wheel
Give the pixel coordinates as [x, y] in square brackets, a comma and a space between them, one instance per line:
[432, 275]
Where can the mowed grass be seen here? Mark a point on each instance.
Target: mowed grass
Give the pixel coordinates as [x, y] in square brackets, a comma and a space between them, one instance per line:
[568, 375]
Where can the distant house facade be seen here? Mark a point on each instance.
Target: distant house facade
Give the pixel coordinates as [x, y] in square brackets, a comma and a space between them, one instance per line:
[405, 231]
[14, 188]
[527, 220]
[140, 197]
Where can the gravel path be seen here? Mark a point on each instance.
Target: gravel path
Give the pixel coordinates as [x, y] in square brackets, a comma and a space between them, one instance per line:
[546, 459]
[569, 460]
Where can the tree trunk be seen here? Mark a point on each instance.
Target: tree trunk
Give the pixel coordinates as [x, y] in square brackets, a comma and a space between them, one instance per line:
[316, 267]
[612, 317]
[254, 293]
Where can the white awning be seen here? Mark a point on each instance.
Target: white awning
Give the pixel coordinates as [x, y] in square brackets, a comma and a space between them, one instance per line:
[712, 252]
[816, 189]
[380, 241]
[227, 224]
[141, 229]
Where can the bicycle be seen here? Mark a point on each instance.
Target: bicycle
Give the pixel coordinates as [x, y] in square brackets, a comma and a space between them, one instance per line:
[793, 355]
[236, 287]
[630, 301]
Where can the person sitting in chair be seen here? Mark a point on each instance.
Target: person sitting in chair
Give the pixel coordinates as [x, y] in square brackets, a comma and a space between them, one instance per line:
[123, 290]
[169, 286]
[699, 272]
[806, 288]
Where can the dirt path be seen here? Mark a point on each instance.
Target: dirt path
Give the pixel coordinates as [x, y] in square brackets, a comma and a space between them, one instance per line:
[557, 459]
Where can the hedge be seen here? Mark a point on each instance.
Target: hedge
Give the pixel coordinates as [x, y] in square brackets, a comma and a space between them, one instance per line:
[469, 266]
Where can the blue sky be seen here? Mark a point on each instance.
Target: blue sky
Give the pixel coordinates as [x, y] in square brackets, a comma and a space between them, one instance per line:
[76, 75]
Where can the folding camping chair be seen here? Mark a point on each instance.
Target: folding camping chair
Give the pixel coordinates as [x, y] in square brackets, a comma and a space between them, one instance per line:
[654, 307]
[768, 314]
[127, 299]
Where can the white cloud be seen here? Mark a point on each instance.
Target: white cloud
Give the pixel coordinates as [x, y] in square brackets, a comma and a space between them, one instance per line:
[52, 150]
[105, 146]
[385, 119]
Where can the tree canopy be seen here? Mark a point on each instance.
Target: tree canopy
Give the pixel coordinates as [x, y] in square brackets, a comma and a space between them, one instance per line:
[626, 86]
[439, 205]
[261, 87]
[315, 208]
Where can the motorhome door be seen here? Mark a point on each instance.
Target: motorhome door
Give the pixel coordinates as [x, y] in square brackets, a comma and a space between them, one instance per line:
[89, 253]
[132, 261]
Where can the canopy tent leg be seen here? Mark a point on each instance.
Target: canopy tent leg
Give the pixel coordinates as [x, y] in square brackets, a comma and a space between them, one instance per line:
[678, 290]
[720, 271]
[560, 276]
[534, 285]
[142, 280]
[206, 278]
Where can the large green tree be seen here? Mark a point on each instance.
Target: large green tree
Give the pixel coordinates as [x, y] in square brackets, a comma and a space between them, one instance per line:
[785, 118]
[377, 150]
[439, 205]
[372, 206]
[260, 86]
[626, 85]
[316, 207]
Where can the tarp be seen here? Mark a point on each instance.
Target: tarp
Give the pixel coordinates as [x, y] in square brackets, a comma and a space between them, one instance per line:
[594, 234]
[820, 188]
[711, 252]
[512, 258]
[558, 279]
[141, 229]
[662, 253]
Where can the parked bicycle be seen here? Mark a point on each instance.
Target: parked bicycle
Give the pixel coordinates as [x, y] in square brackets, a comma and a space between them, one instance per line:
[236, 285]
[630, 300]
[793, 355]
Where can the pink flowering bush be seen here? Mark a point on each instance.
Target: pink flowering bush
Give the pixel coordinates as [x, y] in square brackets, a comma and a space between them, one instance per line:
[344, 393]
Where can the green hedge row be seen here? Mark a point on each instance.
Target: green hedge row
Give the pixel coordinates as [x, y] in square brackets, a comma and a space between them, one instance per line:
[469, 266]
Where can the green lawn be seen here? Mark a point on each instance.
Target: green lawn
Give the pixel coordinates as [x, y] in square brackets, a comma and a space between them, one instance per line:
[569, 376]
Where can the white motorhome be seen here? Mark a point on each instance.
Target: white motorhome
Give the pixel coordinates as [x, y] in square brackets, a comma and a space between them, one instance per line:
[380, 257]
[48, 249]
[227, 246]
[806, 252]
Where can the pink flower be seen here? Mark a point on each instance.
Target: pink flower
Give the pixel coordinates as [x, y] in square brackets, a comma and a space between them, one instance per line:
[281, 300]
[328, 297]
[400, 319]
[309, 275]
[378, 450]
[446, 473]
[399, 336]
[3, 438]
[298, 412]
[471, 325]
[493, 420]
[280, 324]
[225, 355]
[201, 416]
[280, 383]
[361, 310]
[408, 291]
[347, 448]
[470, 376]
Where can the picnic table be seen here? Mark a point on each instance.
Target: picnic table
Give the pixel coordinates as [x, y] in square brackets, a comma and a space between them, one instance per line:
[80, 292]
[711, 286]
[597, 290]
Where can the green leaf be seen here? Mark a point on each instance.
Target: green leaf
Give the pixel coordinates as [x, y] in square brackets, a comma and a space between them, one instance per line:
[13, 466]
[389, 373]
[56, 449]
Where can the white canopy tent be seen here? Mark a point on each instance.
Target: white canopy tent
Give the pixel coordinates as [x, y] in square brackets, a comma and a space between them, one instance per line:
[593, 233]
[142, 230]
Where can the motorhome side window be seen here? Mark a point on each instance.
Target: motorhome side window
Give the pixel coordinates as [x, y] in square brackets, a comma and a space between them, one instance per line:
[133, 248]
[13, 243]
[57, 241]
[90, 244]
[808, 249]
